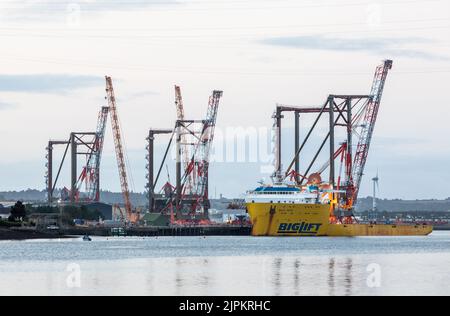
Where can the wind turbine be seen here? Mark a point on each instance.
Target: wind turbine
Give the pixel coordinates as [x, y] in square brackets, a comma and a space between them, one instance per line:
[376, 188]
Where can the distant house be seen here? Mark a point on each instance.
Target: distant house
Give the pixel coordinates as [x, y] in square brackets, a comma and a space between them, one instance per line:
[44, 220]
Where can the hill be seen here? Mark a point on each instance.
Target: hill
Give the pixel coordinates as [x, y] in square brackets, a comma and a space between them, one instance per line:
[398, 205]
[140, 199]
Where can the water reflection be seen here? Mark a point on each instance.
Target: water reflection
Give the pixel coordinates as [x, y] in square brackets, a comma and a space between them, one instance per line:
[331, 277]
[348, 276]
[277, 275]
[204, 278]
[178, 276]
[340, 276]
[296, 277]
[149, 278]
[240, 274]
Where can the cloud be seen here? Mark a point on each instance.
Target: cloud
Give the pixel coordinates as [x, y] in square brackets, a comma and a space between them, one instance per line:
[5, 106]
[40, 9]
[106, 5]
[143, 94]
[120, 4]
[385, 46]
[47, 83]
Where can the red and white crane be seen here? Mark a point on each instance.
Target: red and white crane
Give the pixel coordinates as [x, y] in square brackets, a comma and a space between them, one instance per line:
[187, 161]
[91, 172]
[198, 167]
[368, 125]
[191, 189]
[120, 154]
[204, 147]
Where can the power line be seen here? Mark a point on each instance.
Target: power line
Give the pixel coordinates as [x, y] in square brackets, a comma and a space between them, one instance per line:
[222, 37]
[184, 6]
[58, 27]
[213, 70]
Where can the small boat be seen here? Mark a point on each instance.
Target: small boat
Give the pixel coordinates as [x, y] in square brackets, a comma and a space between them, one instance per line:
[87, 238]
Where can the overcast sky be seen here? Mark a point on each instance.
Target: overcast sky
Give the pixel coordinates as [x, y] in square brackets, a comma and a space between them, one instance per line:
[54, 55]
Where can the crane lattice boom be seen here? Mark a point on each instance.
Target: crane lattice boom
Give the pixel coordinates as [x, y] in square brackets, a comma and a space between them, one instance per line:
[368, 125]
[185, 149]
[93, 167]
[91, 172]
[206, 143]
[117, 135]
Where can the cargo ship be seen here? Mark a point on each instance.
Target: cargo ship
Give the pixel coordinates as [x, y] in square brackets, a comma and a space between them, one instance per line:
[289, 210]
[303, 204]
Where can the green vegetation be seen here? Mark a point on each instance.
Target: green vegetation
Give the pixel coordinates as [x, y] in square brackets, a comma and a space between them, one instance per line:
[21, 212]
[417, 215]
[156, 220]
[398, 205]
[18, 212]
[9, 224]
[82, 213]
[70, 212]
[74, 212]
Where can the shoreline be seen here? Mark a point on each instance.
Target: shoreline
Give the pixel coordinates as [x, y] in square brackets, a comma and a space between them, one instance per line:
[14, 234]
[20, 235]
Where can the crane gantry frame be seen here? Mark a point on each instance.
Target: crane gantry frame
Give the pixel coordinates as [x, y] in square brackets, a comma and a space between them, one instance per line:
[358, 114]
[195, 194]
[90, 174]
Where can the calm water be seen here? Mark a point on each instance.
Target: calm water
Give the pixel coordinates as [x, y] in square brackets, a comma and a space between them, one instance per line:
[228, 266]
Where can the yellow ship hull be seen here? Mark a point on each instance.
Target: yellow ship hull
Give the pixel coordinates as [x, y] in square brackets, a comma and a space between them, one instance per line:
[335, 230]
[310, 220]
[289, 219]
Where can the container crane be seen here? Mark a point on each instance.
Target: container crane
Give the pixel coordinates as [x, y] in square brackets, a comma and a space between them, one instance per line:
[368, 125]
[202, 132]
[120, 156]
